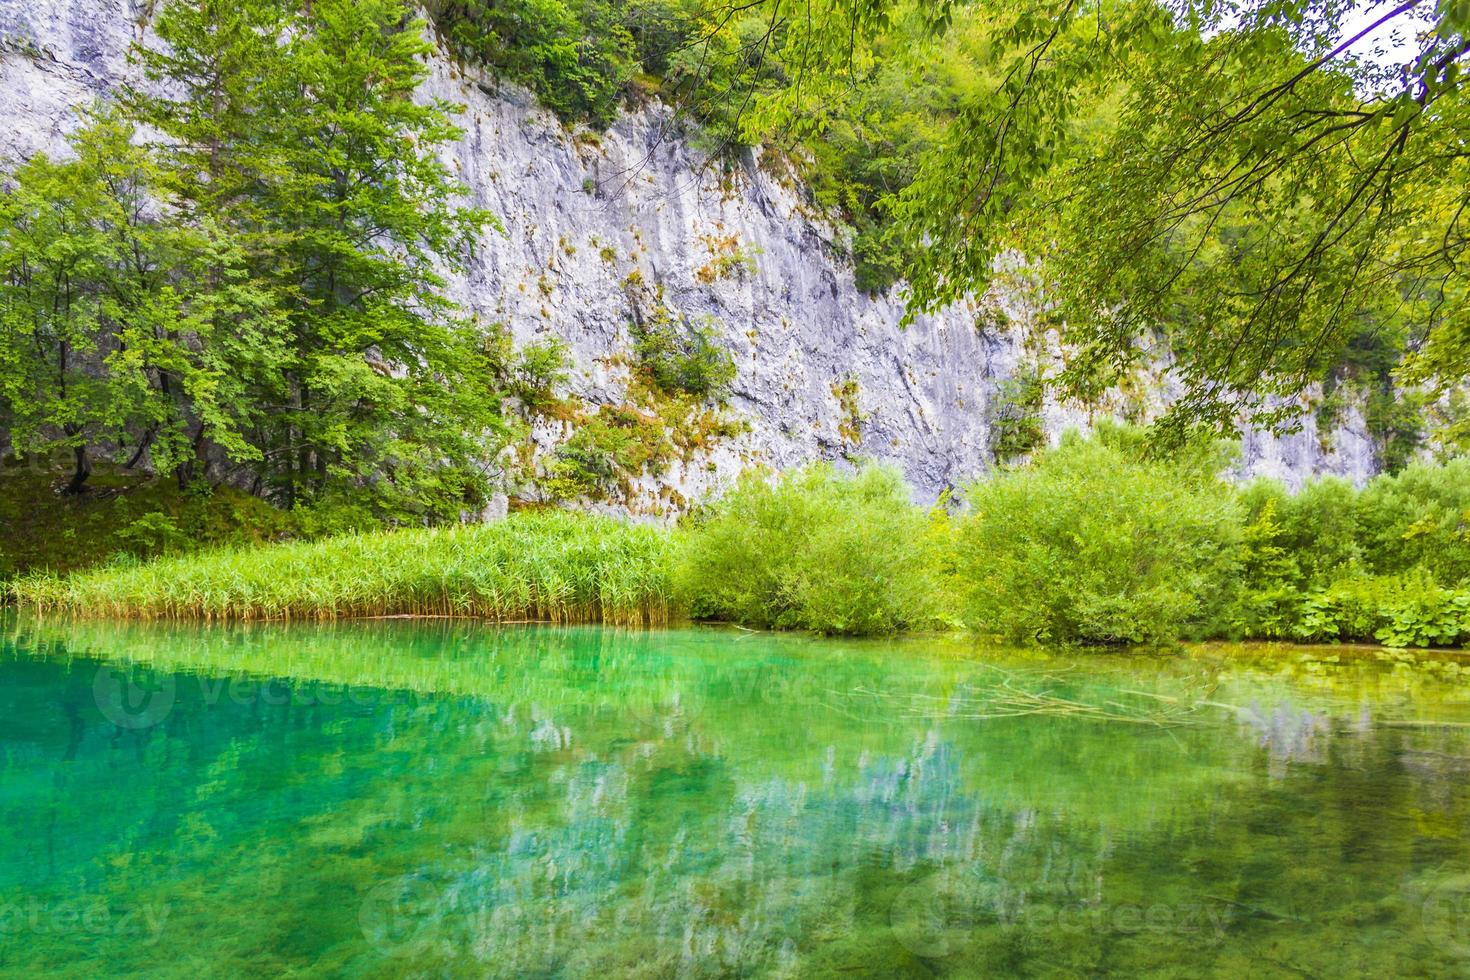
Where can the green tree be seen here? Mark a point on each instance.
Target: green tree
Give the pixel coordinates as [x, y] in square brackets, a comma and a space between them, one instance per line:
[1239, 180]
[216, 86]
[292, 134]
[55, 247]
[389, 388]
[258, 291]
[106, 338]
[215, 92]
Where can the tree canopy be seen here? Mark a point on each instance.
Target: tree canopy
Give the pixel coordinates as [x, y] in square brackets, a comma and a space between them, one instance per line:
[1252, 186]
[1265, 194]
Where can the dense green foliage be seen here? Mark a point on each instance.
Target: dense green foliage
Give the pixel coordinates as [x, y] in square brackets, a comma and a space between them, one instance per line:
[1390, 563]
[134, 515]
[578, 56]
[1095, 543]
[1092, 542]
[1094, 546]
[531, 566]
[103, 338]
[252, 290]
[817, 550]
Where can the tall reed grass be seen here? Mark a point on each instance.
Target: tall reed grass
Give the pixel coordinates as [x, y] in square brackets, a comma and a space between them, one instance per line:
[544, 567]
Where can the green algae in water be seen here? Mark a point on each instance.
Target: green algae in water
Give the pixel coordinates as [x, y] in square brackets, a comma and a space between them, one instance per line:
[450, 799]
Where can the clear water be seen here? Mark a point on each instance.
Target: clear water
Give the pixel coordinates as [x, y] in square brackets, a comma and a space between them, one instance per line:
[392, 799]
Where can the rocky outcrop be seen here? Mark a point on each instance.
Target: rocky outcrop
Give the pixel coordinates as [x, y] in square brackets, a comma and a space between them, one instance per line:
[595, 224]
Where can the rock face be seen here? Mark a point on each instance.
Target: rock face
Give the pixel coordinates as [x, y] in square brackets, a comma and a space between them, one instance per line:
[595, 226]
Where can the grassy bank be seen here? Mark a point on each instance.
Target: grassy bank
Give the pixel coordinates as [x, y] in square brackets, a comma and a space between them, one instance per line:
[551, 567]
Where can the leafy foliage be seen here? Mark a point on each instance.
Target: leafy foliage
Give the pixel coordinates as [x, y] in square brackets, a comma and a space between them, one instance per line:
[614, 444]
[1332, 562]
[1092, 545]
[1239, 180]
[683, 356]
[817, 549]
[1094, 542]
[576, 55]
[116, 328]
[1420, 516]
[1397, 610]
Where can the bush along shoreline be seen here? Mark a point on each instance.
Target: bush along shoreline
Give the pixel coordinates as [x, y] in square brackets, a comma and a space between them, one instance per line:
[1092, 543]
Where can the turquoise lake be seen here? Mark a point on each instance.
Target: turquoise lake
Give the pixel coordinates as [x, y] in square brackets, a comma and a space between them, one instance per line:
[451, 799]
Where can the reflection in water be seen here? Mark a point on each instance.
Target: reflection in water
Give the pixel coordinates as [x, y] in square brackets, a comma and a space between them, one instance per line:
[390, 798]
[1288, 733]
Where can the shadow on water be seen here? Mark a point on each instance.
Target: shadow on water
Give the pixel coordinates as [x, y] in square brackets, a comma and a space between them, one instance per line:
[387, 798]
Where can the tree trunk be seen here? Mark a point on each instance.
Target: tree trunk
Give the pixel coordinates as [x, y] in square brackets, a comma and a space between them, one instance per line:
[82, 470]
[197, 466]
[144, 441]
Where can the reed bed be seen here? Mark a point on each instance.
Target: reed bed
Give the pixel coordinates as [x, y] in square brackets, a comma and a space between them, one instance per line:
[553, 567]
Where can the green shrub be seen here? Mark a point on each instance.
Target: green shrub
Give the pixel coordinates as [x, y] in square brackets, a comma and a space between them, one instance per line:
[1397, 610]
[1346, 610]
[817, 549]
[1092, 545]
[613, 445]
[685, 358]
[1322, 527]
[1290, 543]
[153, 534]
[1266, 594]
[1420, 516]
[1331, 563]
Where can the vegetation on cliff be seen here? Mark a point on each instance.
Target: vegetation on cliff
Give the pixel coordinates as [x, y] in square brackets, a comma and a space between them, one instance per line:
[1275, 193]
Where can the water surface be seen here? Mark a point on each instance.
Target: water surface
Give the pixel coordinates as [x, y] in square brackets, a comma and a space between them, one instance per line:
[454, 799]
